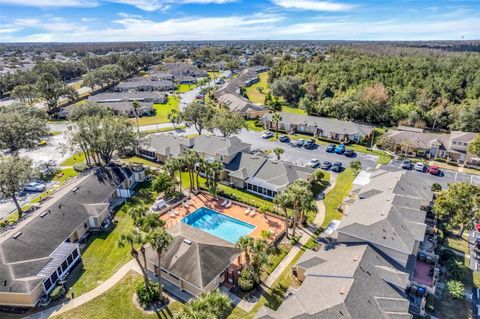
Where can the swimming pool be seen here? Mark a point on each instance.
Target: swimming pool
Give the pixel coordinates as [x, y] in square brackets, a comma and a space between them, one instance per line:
[219, 225]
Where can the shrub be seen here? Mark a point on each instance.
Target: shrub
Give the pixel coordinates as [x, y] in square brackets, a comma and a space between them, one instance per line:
[446, 255]
[436, 187]
[57, 293]
[454, 269]
[80, 167]
[245, 281]
[147, 296]
[455, 289]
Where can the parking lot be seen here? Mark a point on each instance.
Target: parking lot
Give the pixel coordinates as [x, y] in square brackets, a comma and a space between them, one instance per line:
[301, 156]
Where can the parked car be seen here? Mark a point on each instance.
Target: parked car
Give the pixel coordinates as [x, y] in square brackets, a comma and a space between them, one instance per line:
[340, 149]
[199, 97]
[349, 153]
[337, 167]
[267, 134]
[326, 165]
[35, 187]
[309, 144]
[331, 148]
[434, 170]
[406, 164]
[300, 142]
[313, 163]
[420, 167]
[284, 139]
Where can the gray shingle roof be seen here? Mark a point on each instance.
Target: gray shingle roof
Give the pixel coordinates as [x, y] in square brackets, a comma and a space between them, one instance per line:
[198, 261]
[388, 211]
[330, 125]
[215, 145]
[166, 144]
[126, 96]
[43, 235]
[355, 281]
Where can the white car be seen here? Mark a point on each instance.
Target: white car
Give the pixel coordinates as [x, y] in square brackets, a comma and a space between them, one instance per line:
[267, 134]
[35, 187]
[419, 167]
[313, 163]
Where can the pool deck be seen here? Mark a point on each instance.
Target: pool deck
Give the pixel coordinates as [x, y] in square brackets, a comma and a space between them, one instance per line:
[261, 221]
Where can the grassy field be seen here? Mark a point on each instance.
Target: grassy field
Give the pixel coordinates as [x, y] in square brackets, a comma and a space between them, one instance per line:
[334, 198]
[293, 110]
[182, 88]
[141, 160]
[253, 92]
[117, 303]
[161, 112]
[252, 127]
[162, 130]
[457, 243]
[74, 159]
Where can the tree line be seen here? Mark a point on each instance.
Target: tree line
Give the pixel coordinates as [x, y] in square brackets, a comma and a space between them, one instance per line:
[418, 89]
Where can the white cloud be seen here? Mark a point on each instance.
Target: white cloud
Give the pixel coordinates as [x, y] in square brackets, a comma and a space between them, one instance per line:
[52, 3]
[313, 5]
[26, 22]
[154, 5]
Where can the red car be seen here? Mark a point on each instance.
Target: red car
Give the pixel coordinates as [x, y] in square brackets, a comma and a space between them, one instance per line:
[434, 170]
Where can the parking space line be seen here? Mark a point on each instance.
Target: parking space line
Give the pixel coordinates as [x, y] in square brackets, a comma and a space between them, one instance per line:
[456, 173]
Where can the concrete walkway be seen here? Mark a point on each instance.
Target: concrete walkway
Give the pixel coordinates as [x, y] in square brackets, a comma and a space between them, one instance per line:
[320, 217]
[286, 261]
[92, 294]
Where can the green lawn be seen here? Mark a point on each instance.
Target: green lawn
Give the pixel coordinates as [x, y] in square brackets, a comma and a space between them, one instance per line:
[182, 88]
[74, 159]
[457, 243]
[161, 112]
[293, 110]
[334, 198]
[140, 160]
[65, 175]
[252, 127]
[162, 130]
[102, 257]
[254, 94]
[117, 303]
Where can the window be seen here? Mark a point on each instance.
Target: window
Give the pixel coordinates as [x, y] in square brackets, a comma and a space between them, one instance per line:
[85, 225]
[54, 278]
[454, 143]
[64, 265]
[254, 188]
[249, 186]
[260, 190]
[465, 144]
[70, 259]
[75, 253]
[269, 193]
[47, 284]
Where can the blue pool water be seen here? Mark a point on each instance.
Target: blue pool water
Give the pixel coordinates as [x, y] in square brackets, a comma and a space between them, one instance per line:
[219, 225]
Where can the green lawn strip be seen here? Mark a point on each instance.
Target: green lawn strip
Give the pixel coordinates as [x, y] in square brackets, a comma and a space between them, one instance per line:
[252, 127]
[53, 133]
[253, 93]
[161, 112]
[334, 198]
[118, 303]
[276, 256]
[457, 243]
[182, 88]
[293, 110]
[162, 130]
[101, 256]
[141, 160]
[74, 159]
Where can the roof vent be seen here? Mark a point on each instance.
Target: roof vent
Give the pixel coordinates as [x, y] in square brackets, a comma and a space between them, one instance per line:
[187, 241]
[356, 257]
[17, 235]
[75, 189]
[343, 290]
[43, 214]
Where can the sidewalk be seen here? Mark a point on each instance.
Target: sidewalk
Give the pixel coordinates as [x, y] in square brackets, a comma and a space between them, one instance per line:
[320, 217]
[86, 297]
[286, 261]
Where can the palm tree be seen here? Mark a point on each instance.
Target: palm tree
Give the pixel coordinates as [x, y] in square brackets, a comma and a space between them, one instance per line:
[259, 251]
[278, 151]
[171, 166]
[301, 198]
[190, 159]
[282, 200]
[159, 239]
[276, 118]
[245, 244]
[213, 169]
[206, 306]
[133, 238]
[136, 106]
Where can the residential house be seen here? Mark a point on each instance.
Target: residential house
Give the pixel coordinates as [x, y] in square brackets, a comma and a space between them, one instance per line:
[345, 281]
[196, 261]
[37, 254]
[144, 84]
[453, 147]
[182, 69]
[389, 211]
[240, 105]
[323, 127]
[160, 147]
[216, 148]
[109, 97]
[263, 176]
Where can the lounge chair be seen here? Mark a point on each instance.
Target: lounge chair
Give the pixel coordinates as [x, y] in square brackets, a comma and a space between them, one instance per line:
[224, 203]
[247, 211]
[229, 203]
[252, 213]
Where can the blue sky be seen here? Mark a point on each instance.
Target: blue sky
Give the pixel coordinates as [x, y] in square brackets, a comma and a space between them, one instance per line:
[157, 20]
